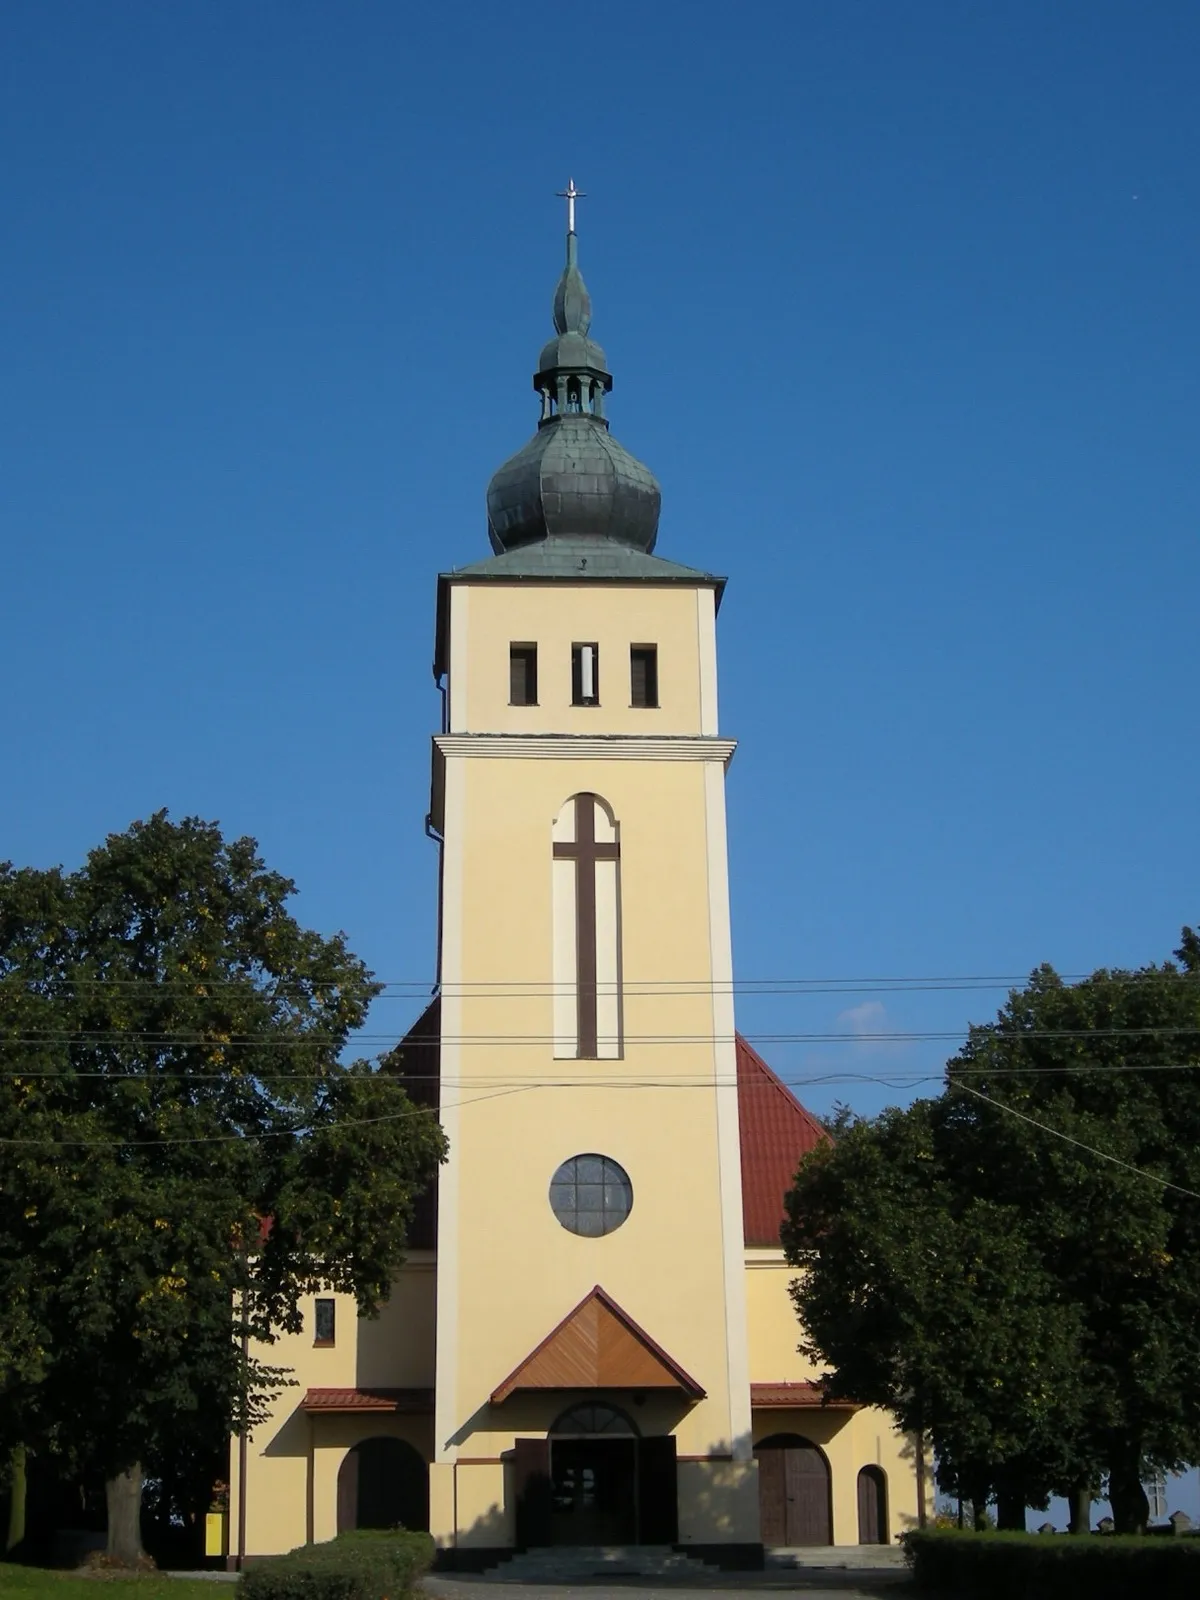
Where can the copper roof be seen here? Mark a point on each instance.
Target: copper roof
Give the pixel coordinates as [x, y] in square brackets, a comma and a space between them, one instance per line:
[776, 1131]
[787, 1396]
[404, 1401]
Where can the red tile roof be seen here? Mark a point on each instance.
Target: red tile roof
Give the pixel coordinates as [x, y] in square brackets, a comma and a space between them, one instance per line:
[776, 1131]
[404, 1401]
[787, 1396]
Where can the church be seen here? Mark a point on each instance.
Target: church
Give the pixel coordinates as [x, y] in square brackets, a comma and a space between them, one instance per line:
[591, 1342]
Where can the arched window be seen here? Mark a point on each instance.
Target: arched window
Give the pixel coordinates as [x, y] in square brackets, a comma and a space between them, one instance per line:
[587, 931]
[593, 1419]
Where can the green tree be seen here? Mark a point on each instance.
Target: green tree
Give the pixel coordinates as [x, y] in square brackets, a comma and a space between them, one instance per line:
[922, 1298]
[1109, 1063]
[1035, 1304]
[186, 1155]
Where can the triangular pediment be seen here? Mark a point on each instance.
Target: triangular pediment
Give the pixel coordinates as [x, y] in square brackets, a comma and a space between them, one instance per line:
[598, 1346]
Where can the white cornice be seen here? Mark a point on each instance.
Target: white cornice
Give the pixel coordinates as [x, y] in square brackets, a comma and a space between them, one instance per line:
[768, 1257]
[586, 747]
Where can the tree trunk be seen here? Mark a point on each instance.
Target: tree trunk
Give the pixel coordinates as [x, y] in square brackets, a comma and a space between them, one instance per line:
[1080, 1502]
[1130, 1507]
[919, 1451]
[16, 1503]
[124, 1496]
[1010, 1512]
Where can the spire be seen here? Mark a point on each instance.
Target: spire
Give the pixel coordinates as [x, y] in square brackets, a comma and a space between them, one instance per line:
[572, 375]
[572, 480]
[572, 303]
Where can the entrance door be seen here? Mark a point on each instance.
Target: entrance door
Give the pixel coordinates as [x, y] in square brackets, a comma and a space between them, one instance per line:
[383, 1483]
[793, 1492]
[872, 1506]
[594, 1484]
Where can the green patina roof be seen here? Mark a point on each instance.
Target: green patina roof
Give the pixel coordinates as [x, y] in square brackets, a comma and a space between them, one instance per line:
[572, 506]
[580, 557]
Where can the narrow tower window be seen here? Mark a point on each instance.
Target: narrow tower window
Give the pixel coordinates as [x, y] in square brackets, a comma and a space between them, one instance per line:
[585, 675]
[324, 1324]
[522, 674]
[587, 931]
[643, 675]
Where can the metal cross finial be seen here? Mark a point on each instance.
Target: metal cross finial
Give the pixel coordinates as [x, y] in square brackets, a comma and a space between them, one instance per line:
[570, 194]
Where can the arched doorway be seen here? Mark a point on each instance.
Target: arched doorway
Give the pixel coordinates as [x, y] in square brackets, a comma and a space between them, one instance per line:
[383, 1483]
[794, 1491]
[872, 1506]
[593, 1476]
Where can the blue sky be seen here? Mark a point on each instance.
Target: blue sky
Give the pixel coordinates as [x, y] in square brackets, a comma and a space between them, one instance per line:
[901, 304]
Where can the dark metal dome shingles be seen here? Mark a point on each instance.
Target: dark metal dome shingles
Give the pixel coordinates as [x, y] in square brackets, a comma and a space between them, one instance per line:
[573, 479]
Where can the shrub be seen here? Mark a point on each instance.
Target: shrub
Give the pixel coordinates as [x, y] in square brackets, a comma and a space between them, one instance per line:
[366, 1565]
[999, 1566]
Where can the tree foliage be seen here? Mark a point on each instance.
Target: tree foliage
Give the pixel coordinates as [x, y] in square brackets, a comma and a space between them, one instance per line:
[181, 1138]
[1031, 1303]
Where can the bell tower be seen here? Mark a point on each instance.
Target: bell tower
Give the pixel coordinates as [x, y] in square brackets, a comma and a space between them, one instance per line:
[592, 1377]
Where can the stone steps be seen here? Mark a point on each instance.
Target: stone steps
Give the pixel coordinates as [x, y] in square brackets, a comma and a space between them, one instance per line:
[854, 1557]
[572, 1563]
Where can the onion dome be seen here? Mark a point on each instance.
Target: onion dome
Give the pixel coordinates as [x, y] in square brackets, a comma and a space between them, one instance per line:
[572, 479]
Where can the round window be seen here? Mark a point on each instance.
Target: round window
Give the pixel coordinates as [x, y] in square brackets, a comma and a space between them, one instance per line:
[591, 1195]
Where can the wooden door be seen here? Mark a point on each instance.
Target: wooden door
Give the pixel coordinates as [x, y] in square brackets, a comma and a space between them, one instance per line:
[772, 1500]
[658, 1491]
[872, 1506]
[531, 1463]
[806, 1484]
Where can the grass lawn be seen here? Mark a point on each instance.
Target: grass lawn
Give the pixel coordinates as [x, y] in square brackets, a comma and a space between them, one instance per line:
[36, 1583]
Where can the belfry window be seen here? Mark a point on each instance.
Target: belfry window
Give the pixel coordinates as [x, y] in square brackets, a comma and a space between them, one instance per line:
[587, 931]
[522, 674]
[585, 675]
[643, 675]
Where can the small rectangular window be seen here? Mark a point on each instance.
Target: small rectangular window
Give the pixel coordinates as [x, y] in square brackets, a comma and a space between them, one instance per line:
[324, 1321]
[522, 674]
[643, 674]
[585, 675]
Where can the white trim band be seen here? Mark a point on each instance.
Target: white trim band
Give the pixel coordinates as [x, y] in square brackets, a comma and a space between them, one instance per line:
[586, 747]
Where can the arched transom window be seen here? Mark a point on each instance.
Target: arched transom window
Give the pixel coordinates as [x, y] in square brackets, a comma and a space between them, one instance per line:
[587, 931]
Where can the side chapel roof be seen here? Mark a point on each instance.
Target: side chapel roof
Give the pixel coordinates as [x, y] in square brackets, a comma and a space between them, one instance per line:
[775, 1129]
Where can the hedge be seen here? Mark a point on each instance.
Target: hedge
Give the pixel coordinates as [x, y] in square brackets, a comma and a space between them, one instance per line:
[1042, 1566]
[366, 1565]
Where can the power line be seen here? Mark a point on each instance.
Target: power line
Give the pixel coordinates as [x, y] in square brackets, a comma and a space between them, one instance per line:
[494, 1040]
[418, 988]
[246, 1138]
[1079, 1143]
[897, 1079]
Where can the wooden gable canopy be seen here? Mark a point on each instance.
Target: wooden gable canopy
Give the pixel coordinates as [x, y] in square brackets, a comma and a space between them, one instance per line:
[598, 1346]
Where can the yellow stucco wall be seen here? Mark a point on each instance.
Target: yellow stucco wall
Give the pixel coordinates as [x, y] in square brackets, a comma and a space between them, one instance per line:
[666, 1111]
[490, 617]
[774, 1331]
[395, 1350]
